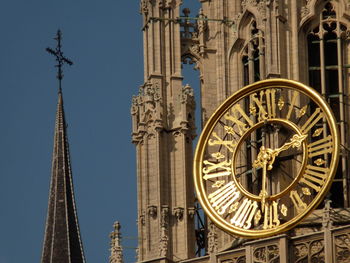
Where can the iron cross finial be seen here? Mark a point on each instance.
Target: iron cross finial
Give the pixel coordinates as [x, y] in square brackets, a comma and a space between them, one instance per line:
[59, 57]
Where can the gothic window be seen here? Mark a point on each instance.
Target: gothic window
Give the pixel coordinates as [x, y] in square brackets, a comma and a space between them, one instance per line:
[252, 56]
[327, 68]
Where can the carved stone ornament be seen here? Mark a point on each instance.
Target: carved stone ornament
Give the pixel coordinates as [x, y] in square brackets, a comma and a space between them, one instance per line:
[152, 211]
[187, 94]
[116, 248]
[137, 254]
[167, 4]
[305, 10]
[266, 254]
[134, 105]
[212, 238]
[202, 23]
[241, 259]
[327, 218]
[188, 106]
[146, 110]
[260, 6]
[191, 212]
[142, 219]
[164, 236]
[178, 213]
[144, 7]
[342, 248]
[309, 251]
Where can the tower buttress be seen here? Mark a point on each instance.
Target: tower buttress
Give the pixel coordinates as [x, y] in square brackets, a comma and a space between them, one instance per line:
[163, 130]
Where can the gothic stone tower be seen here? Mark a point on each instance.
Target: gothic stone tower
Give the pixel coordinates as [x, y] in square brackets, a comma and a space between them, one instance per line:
[163, 130]
[233, 43]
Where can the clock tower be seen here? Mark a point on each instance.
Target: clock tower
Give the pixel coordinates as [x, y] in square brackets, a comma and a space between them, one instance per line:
[234, 44]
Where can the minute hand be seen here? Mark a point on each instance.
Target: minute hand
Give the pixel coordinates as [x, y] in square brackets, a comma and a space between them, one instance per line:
[294, 142]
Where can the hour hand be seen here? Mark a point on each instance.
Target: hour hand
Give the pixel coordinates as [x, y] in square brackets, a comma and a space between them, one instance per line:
[295, 142]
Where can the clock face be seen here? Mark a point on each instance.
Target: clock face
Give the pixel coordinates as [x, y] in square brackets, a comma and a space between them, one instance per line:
[266, 158]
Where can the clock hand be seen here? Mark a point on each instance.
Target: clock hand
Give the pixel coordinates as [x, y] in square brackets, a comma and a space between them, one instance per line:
[263, 192]
[262, 161]
[294, 142]
[266, 157]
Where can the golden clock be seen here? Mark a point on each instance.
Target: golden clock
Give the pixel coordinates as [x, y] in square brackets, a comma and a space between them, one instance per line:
[266, 158]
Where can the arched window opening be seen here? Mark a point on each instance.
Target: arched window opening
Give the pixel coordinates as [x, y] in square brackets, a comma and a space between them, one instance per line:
[252, 59]
[327, 67]
[245, 62]
[253, 55]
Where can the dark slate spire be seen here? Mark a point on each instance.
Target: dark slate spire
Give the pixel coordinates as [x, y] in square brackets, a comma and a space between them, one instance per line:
[62, 243]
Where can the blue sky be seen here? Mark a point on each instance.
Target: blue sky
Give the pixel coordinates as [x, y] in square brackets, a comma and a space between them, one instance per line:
[104, 40]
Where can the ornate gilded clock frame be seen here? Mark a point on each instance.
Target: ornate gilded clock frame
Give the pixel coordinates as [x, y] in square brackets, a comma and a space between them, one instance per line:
[218, 114]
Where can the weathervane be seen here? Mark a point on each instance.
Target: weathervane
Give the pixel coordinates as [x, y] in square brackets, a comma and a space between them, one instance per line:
[59, 57]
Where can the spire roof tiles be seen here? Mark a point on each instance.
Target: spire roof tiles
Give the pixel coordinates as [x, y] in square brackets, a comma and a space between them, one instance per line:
[62, 242]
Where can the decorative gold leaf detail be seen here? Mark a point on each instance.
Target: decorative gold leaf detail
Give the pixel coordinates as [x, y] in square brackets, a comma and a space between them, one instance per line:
[218, 184]
[302, 111]
[284, 210]
[229, 130]
[319, 161]
[317, 132]
[257, 217]
[306, 191]
[233, 208]
[252, 109]
[218, 155]
[280, 103]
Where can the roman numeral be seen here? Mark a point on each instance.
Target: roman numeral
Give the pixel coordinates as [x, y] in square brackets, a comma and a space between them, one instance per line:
[235, 116]
[292, 103]
[224, 197]
[269, 110]
[259, 102]
[320, 147]
[230, 145]
[245, 213]
[210, 167]
[314, 177]
[314, 118]
[271, 216]
[299, 205]
[271, 102]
